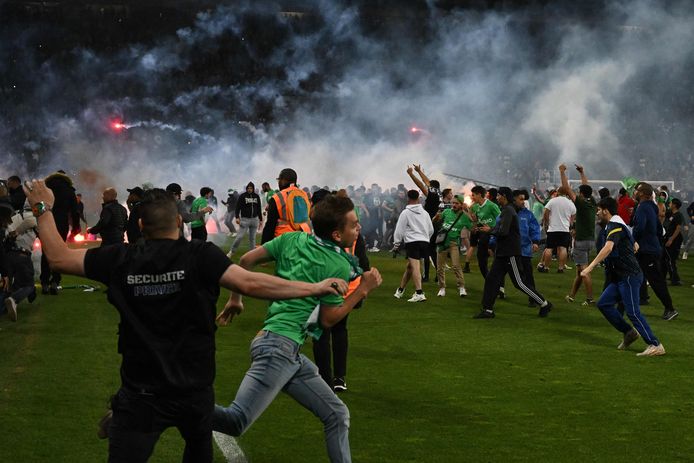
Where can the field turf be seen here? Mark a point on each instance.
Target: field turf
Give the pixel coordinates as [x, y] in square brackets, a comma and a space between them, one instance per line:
[427, 383]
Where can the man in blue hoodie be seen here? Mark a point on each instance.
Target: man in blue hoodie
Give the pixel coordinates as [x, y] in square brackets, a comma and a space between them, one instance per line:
[531, 233]
[647, 232]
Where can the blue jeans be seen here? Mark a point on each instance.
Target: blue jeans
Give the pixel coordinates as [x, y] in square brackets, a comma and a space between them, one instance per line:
[277, 365]
[246, 225]
[626, 291]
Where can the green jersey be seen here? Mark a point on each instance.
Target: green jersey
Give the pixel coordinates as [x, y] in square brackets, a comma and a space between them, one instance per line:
[585, 218]
[486, 213]
[454, 225]
[299, 257]
[268, 195]
[199, 203]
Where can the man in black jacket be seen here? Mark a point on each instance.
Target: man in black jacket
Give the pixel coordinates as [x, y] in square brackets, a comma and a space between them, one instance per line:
[248, 217]
[133, 227]
[507, 259]
[112, 221]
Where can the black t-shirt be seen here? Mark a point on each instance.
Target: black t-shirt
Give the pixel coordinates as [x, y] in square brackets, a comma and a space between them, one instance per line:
[432, 201]
[676, 219]
[621, 262]
[166, 292]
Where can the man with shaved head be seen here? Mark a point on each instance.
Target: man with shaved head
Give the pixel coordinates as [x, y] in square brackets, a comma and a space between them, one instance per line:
[113, 219]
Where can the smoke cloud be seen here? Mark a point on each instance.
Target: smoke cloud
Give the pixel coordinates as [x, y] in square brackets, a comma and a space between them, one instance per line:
[244, 91]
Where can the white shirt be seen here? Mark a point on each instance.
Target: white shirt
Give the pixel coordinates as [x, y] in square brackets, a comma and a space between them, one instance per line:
[414, 224]
[560, 209]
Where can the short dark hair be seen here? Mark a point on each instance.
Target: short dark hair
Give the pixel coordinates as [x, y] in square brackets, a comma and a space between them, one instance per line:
[412, 194]
[622, 191]
[204, 190]
[288, 175]
[435, 184]
[479, 189]
[330, 214]
[525, 193]
[604, 192]
[610, 204]
[676, 202]
[493, 192]
[507, 193]
[158, 212]
[14, 178]
[585, 190]
[446, 191]
[516, 193]
[645, 188]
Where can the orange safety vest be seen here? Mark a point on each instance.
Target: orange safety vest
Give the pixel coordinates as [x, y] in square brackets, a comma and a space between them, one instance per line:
[352, 286]
[281, 202]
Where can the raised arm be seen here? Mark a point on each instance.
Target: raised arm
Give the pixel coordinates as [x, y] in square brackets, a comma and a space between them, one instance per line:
[418, 182]
[565, 183]
[584, 179]
[60, 257]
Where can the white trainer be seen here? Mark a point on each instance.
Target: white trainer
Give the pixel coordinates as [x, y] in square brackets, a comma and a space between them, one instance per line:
[399, 293]
[462, 292]
[416, 297]
[652, 351]
[442, 292]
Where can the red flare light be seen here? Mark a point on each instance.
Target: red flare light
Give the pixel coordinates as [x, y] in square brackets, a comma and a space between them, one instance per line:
[37, 244]
[414, 130]
[79, 238]
[117, 125]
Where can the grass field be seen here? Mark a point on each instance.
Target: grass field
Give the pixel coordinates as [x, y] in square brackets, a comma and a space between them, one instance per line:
[427, 383]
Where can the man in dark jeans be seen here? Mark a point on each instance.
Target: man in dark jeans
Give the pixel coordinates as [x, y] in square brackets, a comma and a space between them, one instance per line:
[647, 231]
[674, 233]
[165, 289]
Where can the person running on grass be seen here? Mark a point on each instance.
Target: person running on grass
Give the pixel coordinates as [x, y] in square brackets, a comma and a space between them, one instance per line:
[624, 276]
[276, 362]
[165, 289]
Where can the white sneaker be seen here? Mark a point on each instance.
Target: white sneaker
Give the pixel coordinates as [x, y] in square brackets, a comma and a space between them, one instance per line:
[684, 255]
[11, 306]
[462, 292]
[398, 293]
[442, 292]
[374, 249]
[652, 351]
[416, 297]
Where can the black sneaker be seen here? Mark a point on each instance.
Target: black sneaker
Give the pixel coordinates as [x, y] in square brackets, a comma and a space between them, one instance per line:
[466, 269]
[542, 269]
[502, 294]
[560, 270]
[44, 289]
[339, 385]
[53, 289]
[485, 314]
[670, 314]
[544, 311]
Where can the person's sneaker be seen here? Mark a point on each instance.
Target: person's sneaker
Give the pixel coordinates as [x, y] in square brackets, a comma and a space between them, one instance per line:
[560, 270]
[588, 302]
[502, 293]
[684, 255]
[629, 338]
[466, 269]
[417, 297]
[569, 299]
[566, 267]
[11, 307]
[462, 292]
[339, 385]
[542, 269]
[485, 314]
[374, 249]
[230, 254]
[399, 293]
[32, 295]
[544, 311]
[44, 289]
[652, 351]
[53, 289]
[670, 314]
[105, 424]
[442, 292]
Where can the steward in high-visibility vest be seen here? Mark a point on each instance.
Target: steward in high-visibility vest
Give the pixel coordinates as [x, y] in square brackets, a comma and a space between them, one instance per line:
[288, 209]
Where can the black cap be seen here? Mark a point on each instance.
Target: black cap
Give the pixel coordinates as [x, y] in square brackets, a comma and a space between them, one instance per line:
[174, 188]
[136, 191]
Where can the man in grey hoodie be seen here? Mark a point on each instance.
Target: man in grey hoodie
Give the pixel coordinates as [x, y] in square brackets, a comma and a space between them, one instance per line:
[414, 228]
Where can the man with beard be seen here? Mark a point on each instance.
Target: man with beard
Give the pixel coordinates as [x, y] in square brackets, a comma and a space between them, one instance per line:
[624, 277]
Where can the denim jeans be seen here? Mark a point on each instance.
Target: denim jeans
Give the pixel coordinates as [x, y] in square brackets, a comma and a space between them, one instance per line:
[246, 225]
[277, 365]
[626, 291]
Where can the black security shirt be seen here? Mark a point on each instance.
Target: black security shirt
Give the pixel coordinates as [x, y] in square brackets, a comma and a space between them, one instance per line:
[166, 293]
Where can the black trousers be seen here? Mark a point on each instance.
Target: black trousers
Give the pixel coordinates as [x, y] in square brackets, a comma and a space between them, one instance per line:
[500, 267]
[322, 352]
[139, 420]
[198, 233]
[652, 271]
[483, 253]
[433, 254]
[527, 265]
[670, 257]
[47, 276]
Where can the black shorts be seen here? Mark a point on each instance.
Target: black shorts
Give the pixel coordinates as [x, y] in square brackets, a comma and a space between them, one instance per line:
[417, 250]
[558, 240]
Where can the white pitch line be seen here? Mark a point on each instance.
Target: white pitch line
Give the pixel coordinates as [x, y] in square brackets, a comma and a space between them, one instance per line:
[231, 450]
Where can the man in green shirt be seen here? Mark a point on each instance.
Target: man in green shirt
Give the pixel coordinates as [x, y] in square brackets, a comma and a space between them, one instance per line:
[453, 221]
[484, 212]
[584, 232]
[198, 231]
[277, 364]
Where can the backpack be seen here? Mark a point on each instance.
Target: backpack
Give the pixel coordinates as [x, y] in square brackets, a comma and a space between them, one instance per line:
[296, 209]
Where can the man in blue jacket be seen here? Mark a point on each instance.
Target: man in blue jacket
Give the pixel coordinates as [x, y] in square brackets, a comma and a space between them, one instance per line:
[648, 232]
[530, 233]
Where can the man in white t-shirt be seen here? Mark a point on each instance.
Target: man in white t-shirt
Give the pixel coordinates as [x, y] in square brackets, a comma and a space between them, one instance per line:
[558, 216]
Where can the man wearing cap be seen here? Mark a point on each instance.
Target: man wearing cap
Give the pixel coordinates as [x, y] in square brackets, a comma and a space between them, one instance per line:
[112, 221]
[133, 228]
[187, 216]
[277, 216]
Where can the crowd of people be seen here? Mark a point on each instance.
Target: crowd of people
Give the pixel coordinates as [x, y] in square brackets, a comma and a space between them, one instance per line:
[319, 239]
